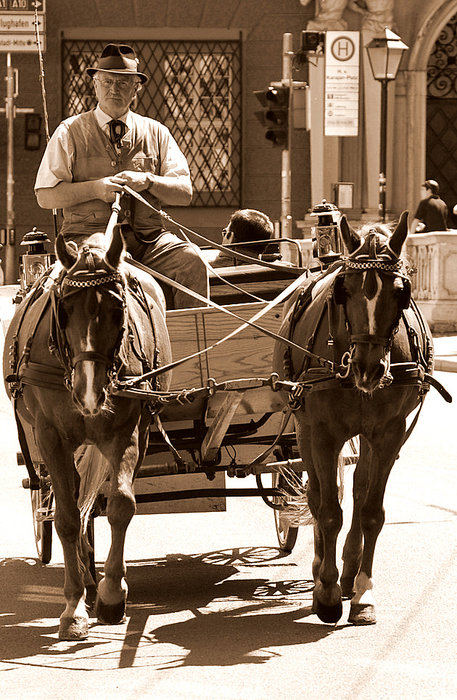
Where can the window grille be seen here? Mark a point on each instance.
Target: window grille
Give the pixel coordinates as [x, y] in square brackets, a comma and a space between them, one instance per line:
[194, 88]
[442, 64]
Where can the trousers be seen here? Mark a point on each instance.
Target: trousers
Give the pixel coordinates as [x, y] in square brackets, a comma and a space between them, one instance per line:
[175, 259]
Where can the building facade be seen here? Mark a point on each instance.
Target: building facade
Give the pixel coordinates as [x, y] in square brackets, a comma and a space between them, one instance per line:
[205, 58]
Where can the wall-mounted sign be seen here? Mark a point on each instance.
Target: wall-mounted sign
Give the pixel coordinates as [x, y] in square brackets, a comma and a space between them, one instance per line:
[342, 83]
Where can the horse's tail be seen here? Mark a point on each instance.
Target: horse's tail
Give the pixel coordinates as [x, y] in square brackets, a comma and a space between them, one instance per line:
[93, 470]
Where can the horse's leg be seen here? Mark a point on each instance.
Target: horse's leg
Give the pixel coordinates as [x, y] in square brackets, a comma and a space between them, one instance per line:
[352, 551]
[74, 621]
[313, 493]
[385, 446]
[327, 592]
[112, 589]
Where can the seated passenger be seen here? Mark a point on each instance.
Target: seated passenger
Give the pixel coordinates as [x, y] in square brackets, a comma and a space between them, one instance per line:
[247, 226]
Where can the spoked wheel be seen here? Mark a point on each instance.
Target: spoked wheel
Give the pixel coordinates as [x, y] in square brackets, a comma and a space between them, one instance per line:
[43, 515]
[286, 533]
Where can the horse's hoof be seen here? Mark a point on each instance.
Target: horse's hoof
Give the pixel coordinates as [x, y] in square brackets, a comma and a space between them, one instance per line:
[73, 628]
[362, 614]
[110, 614]
[327, 613]
[347, 587]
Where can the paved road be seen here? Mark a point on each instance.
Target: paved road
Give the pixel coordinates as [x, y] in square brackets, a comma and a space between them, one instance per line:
[216, 612]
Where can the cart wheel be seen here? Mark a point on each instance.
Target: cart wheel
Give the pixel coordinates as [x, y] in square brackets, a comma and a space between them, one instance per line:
[43, 514]
[286, 533]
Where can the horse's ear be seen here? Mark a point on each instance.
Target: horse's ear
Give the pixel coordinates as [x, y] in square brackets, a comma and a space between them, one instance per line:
[399, 235]
[65, 252]
[350, 237]
[114, 252]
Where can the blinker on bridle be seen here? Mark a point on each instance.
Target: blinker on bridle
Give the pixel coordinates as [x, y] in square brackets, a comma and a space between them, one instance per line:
[73, 281]
[388, 263]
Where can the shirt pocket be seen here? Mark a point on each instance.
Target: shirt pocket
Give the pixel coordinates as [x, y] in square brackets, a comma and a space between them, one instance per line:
[145, 164]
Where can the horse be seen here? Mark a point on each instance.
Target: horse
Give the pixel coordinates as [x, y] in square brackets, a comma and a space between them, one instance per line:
[90, 324]
[367, 367]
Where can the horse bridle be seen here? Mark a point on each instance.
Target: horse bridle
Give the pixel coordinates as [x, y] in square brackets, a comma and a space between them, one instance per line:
[70, 282]
[389, 264]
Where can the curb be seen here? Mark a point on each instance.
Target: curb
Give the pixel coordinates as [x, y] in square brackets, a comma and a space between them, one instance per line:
[445, 365]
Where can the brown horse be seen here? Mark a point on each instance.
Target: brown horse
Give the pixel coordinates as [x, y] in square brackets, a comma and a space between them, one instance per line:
[93, 323]
[370, 352]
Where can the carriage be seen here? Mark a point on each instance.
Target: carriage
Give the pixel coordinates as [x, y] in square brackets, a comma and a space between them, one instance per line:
[230, 410]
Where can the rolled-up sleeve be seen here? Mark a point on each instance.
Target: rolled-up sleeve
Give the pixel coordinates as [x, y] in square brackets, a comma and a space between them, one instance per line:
[57, 162]
[174, 163]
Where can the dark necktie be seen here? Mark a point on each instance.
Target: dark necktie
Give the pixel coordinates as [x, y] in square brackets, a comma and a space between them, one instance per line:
[117, 130]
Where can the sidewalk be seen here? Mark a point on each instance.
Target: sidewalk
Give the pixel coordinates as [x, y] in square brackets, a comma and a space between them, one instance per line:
[445, 353]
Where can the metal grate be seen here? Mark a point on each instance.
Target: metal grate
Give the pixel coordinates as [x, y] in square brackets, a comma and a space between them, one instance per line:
[442, 64]
[194, 88]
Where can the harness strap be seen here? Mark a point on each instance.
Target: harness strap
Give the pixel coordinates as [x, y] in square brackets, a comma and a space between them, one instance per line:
[368, 338]
[33, 476]
[92, 356]
[178, 459]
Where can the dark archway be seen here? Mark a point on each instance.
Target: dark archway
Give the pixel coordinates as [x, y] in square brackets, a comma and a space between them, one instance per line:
[441, 144]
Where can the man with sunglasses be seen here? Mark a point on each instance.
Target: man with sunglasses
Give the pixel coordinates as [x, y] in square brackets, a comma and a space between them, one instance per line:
[92, 156]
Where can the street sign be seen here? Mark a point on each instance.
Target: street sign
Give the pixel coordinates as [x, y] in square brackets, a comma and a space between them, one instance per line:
[17, 25]
[22, 6]
[341, 83]
[11, 43]
[20, 22]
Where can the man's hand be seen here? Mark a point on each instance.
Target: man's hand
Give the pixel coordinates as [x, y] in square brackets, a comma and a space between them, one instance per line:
[106, 188]
[136, 180]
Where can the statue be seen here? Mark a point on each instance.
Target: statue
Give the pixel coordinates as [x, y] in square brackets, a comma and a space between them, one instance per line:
[329, 15]
[376, 14]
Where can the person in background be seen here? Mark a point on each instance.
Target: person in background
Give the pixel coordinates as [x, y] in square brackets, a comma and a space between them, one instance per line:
[432, 212]
[248, 226]
[93, 155]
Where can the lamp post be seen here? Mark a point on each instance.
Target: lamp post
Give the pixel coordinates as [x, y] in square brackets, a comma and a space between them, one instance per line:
[384, 54]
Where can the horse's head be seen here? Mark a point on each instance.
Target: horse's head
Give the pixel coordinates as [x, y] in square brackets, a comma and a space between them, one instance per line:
[90, 317]
[373, 288]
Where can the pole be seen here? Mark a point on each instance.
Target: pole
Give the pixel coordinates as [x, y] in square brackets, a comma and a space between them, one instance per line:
[10, 267]
[286, 217]
[383, 152]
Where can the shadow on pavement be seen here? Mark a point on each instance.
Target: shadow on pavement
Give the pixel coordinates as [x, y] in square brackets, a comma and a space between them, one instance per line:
[231, 620]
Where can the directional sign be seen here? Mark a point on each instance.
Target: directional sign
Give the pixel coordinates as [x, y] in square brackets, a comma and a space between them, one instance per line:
[23, 6]
[20, 42]
[20, 22]
[17, 25]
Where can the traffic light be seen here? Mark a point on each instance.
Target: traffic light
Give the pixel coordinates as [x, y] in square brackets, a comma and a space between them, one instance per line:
[275, 114]
[32, 136]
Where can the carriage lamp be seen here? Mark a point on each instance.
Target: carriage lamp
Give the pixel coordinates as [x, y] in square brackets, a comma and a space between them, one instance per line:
[36, 260]
[326, 234]
[384, 55]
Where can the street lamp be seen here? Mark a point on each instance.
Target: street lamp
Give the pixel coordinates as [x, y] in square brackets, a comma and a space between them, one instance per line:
[384, 54]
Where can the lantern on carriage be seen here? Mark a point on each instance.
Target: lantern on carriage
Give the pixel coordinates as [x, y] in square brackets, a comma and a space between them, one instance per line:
[36, 260]
[327, 245]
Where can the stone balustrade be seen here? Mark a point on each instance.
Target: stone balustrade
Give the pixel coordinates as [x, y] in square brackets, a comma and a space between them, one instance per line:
[434, 283]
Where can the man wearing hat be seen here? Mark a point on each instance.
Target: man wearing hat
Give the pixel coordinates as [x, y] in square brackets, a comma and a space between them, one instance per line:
[431, 214]
[92, 156]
